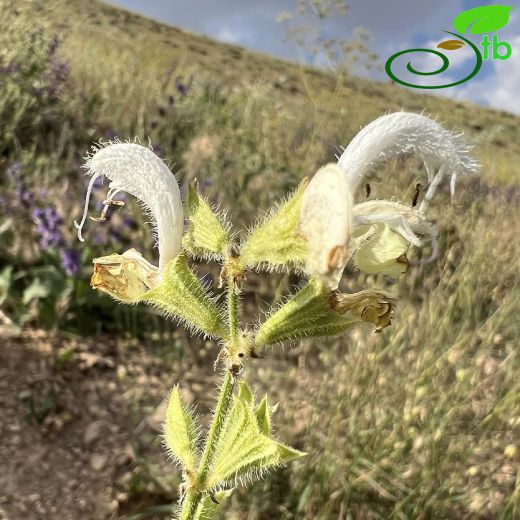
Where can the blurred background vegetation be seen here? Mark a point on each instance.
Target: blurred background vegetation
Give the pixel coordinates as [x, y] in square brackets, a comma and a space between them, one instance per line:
[421, 421]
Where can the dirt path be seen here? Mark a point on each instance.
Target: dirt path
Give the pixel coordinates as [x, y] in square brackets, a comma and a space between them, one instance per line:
[78, 418]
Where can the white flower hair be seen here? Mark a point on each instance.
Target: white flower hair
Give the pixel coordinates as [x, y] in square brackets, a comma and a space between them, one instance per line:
[405, 132]
[137, 170]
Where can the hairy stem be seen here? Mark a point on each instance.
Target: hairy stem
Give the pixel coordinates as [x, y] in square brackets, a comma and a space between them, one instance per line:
[232, 312]
[194, 496]
[189, 505]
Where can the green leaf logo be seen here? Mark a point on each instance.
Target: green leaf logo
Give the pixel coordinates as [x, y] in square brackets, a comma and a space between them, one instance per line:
[483, 19]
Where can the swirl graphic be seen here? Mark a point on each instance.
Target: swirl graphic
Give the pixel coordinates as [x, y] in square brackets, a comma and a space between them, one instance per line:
[440, 70]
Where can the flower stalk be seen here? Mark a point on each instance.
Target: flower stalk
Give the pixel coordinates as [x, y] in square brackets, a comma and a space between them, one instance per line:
[195, 495]
[232, 297]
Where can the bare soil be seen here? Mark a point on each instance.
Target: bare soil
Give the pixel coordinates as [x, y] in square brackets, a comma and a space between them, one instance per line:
[80, 425]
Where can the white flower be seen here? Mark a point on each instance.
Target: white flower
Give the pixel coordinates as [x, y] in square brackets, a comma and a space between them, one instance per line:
[136, 170]
[326, 222]
[377, 233]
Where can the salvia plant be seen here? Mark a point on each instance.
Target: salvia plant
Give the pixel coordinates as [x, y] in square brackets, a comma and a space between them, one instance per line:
[315, 232]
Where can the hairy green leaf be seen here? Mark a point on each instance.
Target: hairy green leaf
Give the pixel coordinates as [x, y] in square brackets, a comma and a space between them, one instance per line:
[208, 233]
[277, 240]
[181, 295]
[244, 392]
[263, 416]
[307, 314]
[244, 451]
[288, 454]
[180, 432]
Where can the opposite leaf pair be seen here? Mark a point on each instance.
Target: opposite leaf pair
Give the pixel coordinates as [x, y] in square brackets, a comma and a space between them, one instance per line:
[245, 449]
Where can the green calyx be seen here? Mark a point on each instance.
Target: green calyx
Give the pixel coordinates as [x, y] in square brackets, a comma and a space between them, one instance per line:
[208, 234]
[276, 242]
[181, 295]
[308, 313]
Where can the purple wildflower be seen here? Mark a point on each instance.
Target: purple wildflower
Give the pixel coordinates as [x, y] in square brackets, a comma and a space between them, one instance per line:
[181, 87]
[21, 191]
[59, 70]
[10, 69]
[70, 261]
[57, 74]
[48, 226]
[13, 171]
[53, 46]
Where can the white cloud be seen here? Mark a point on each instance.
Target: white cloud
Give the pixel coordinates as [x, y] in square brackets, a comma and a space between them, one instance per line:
[224, 34]
[502, 89]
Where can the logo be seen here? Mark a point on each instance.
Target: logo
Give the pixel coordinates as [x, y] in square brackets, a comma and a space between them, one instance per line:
[480, 20]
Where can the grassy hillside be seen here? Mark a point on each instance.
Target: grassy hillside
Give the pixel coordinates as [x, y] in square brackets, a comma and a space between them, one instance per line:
[138, 54]
[421, 421]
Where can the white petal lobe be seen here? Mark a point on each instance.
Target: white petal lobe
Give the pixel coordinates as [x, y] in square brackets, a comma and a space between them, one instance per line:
[136, 170]
[401, 133]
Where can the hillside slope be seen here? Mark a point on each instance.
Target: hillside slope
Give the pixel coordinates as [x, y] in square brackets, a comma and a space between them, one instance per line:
[101, 37]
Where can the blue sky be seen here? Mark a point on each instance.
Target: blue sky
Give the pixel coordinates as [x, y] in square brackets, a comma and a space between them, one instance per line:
[395, 25]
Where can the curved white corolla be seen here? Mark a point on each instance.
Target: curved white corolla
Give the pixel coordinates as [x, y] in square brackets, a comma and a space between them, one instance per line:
[136, 170]
[377, 233]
